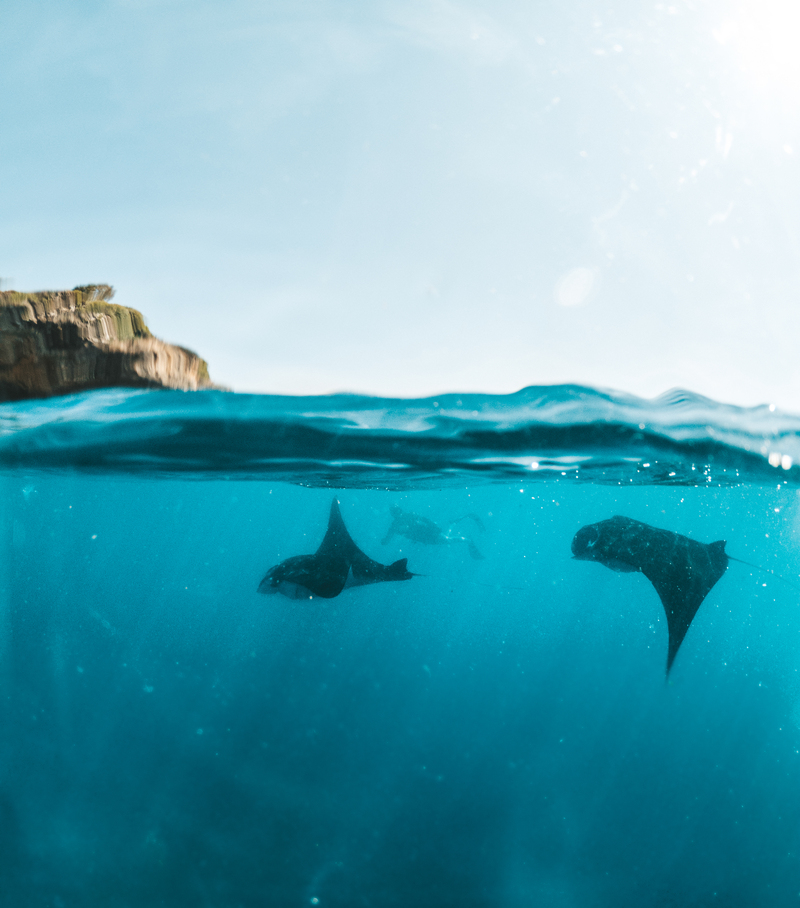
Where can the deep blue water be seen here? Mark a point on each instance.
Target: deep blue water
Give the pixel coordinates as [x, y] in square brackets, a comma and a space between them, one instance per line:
[493, 732]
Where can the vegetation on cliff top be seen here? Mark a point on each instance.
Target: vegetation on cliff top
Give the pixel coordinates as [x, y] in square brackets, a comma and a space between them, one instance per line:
[88, 298]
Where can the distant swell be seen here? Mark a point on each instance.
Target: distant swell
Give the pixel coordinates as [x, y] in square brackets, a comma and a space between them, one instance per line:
[538, 433]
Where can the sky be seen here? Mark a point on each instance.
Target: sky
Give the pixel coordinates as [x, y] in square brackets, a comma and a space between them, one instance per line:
[417, 196]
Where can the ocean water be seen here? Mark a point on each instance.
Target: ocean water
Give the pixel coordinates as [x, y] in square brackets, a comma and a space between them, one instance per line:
[496, 731]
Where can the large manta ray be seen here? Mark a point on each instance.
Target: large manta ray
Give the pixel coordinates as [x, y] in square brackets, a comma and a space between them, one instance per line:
[337, 563]
[682, 570]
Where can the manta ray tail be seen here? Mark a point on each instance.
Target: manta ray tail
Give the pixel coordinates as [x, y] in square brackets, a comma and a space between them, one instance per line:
[365, 570]
[766, 571]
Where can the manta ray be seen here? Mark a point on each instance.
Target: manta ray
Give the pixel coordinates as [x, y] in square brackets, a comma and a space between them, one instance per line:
[682, 570]
[337, 564]
[422, 530]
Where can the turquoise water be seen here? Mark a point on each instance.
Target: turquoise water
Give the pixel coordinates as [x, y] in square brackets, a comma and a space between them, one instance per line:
[492, 732]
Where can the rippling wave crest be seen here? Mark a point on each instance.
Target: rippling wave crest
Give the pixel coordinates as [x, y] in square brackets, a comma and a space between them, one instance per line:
[552, 432]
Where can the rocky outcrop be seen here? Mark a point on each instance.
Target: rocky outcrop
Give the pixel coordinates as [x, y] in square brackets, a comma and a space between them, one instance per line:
[75, 340]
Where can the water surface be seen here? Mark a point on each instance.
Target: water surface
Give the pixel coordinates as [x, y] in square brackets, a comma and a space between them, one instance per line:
[493, 732]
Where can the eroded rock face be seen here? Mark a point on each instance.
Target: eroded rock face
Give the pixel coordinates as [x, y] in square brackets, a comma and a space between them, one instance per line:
[74, 340]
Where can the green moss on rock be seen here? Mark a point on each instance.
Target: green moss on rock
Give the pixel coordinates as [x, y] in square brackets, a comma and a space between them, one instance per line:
[130, 322]
[89, 299]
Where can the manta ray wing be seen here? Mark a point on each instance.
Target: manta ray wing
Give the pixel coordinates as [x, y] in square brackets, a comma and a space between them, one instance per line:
[338, 544]
[682, 570]
[364, 570]
[337, 540]
[683, 579]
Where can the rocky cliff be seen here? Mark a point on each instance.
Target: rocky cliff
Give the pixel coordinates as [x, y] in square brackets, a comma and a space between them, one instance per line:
[74, 340]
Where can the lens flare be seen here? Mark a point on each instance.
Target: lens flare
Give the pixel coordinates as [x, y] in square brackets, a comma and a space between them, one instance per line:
[764, 36]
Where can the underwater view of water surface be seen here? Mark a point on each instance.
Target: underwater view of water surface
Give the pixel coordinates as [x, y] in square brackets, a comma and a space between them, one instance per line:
[443, 707]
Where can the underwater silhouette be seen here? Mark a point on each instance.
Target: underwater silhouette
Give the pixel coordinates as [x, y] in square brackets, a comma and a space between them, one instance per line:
[337, 564]
[422, 530]
[682, 570]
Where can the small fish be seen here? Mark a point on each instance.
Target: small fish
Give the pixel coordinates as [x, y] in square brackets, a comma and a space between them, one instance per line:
[336, 565]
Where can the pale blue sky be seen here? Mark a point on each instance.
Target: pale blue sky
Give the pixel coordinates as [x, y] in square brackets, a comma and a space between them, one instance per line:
[412, 197]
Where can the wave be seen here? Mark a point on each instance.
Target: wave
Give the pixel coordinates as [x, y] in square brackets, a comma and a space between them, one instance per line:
[551, 432]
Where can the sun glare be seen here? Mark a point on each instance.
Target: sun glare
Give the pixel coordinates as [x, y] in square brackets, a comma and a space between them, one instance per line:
[765, 37]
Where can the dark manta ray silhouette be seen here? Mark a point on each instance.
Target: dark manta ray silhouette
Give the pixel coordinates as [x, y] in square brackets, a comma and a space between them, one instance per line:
[422, 530]
[682, 570]
[338, 563]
